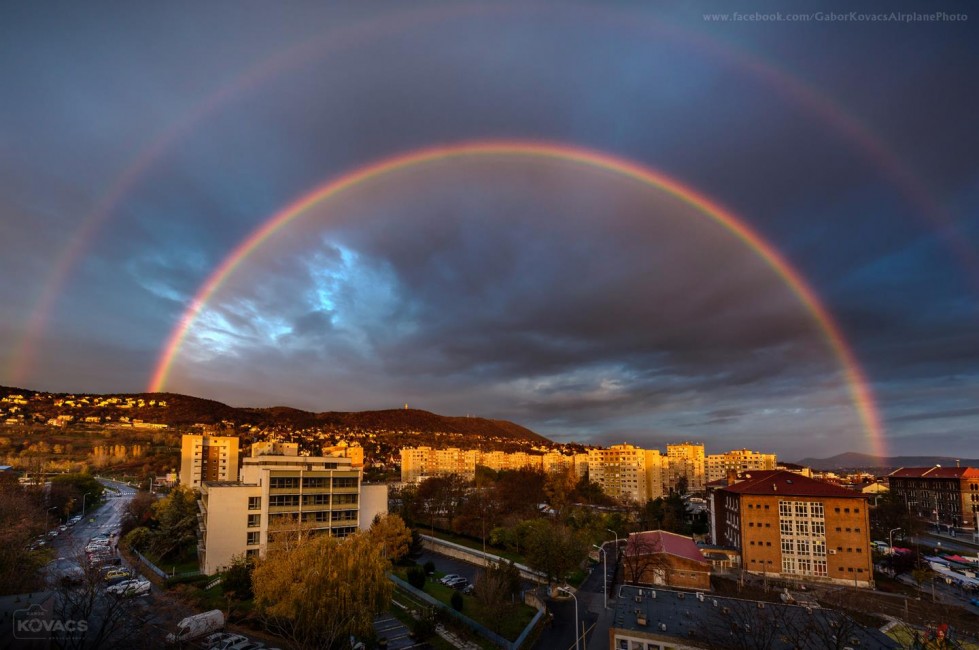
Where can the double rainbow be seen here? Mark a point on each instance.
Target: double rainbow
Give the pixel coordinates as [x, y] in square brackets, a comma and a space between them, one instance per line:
[859, 389]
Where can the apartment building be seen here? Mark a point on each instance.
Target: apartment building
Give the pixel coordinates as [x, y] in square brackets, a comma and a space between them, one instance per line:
[947, 496]
[418, 463]
[276, 492]
[793, 527]
[686, 461]
[739, 460]
[208, 458]
[627, 472]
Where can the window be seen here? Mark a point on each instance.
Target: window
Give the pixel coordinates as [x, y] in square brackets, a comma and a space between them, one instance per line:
[254, 521]
[846, 510]
[344, 498]
[345, 482]
[315, 482]
[283, 500]
[254, 503]
[284, 482]
[253, 538]
[316, 499]
[252, 552]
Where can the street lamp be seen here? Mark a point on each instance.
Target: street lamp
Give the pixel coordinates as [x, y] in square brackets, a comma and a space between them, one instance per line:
[575, 615]
[890, 537]
[85, 496]
[605, 572]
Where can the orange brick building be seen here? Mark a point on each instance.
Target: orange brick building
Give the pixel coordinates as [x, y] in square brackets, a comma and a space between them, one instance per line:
[943, 495]
[793, 527]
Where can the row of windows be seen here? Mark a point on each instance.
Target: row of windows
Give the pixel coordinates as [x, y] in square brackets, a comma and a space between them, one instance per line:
[840, 530]
[807, 528]
[804, 566]
[849, 549]
[292, 482]
[801, 509]
[804, 547]
[847, 510]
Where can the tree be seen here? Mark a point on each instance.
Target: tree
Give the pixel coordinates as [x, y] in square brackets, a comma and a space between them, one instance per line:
[389, 531]
[417, 577]
[22, 518]
[456, 601]
[559, 487]
[553, 549]
[495, 587]
[322, 591]
[237, 581]
[177, 517]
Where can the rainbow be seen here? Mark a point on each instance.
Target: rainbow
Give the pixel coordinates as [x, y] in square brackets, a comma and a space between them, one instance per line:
[858, 386]
[818, 104]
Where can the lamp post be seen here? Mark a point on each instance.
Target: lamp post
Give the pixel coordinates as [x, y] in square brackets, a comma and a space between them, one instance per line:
[604, 573]
[575, 615]
[890, 538]
[84, 497]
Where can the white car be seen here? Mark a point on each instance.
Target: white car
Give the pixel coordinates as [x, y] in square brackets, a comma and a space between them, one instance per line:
[221, 640]
[449, 577]
[130, 588]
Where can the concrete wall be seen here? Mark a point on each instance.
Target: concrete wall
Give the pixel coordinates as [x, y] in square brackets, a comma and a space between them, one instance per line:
[475, 557]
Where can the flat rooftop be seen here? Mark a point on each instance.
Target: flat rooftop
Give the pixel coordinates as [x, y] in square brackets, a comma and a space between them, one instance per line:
[704, 620]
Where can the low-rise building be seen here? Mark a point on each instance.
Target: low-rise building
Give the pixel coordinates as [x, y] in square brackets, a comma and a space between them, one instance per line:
[659, 557]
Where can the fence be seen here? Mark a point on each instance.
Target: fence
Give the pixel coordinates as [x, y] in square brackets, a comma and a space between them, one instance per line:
[476, 627]
[149, 565]
[473, 556]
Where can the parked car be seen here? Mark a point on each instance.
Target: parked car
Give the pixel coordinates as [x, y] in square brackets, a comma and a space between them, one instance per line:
[449, 577]
[130, 588]
[247, 644]
[459, 584]
[221, 640]
[117, 572]
[974, 602]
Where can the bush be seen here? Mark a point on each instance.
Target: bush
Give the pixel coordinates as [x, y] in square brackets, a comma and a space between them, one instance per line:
[416, 577]
[457, 601]
[424, 627]
[429, 568]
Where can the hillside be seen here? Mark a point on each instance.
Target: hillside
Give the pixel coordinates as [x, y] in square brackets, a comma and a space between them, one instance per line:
[853, 460]
[177, 410]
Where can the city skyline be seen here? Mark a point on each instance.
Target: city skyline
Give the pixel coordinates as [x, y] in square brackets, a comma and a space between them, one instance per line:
[607, 224]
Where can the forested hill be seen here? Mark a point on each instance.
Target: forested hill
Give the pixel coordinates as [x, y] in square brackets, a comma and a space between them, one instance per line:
[183, 410]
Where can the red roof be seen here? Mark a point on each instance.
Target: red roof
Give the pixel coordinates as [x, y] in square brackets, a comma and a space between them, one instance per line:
[935, 472]
[788, 484]
[661, 541]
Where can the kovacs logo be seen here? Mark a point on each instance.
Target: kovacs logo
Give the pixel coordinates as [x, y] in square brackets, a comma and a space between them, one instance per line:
[33, 623]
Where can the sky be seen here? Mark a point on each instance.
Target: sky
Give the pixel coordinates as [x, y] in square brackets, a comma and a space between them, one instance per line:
[531, 277]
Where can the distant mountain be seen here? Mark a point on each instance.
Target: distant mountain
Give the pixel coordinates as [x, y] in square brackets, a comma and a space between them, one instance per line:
[854, 460]
[185, 410]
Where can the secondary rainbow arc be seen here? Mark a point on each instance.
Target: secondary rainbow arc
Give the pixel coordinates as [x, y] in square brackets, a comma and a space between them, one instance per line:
[858, 386]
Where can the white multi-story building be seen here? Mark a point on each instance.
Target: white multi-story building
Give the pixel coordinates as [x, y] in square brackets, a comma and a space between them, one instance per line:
[322, 495]
[418, 463]
[739, 460]
[627, 472]
[686, 460]
[208, 458]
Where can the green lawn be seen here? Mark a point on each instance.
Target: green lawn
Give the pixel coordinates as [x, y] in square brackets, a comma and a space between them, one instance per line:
[510, 627]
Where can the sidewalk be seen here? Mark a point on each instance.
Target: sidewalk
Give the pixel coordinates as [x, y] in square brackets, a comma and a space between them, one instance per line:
[965, 540]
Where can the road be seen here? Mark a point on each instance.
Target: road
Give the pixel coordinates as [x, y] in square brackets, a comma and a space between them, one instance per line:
[69, 546]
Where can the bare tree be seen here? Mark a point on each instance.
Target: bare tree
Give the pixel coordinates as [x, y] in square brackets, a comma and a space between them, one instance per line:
[644, 561]
[97, 618]
[749, 625]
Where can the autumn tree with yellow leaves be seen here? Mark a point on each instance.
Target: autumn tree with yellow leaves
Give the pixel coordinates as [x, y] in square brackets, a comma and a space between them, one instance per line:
[318, 593]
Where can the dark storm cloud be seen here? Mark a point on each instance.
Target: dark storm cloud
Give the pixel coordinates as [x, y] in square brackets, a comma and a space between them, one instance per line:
[553, 302]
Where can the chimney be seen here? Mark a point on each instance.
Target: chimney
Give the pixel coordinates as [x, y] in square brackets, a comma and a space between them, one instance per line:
[732, 476]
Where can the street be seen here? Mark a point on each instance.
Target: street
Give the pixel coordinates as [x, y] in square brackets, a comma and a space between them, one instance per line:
[69, 546]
